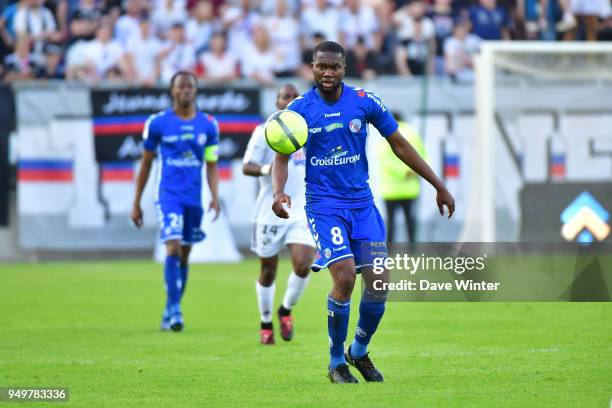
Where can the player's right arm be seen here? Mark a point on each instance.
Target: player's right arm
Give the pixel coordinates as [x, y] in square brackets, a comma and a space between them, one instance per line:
[280, 172]
[151, 138]
[141, 182]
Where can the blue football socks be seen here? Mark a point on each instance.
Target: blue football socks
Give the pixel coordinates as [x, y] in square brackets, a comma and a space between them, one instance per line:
[172, 276]
[337, 327]
[370, 314]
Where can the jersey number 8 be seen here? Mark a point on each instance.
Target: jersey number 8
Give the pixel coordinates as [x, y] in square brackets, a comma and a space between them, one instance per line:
[336, 233]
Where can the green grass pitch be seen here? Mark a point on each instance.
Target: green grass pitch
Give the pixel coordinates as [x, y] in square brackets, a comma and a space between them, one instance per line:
[93, 327]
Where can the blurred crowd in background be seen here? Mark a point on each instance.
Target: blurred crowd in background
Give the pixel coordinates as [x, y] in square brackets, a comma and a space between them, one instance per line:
[145, 41]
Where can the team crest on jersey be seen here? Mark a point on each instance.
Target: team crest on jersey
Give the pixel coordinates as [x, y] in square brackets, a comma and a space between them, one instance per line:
[355, 125]
[327, 253]
[202, 139]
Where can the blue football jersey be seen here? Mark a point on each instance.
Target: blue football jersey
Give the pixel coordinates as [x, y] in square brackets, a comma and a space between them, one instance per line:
[336, 162]
[181, 146]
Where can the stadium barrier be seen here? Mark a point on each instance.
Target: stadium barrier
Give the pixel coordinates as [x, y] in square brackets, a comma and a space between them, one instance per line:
[72, 149]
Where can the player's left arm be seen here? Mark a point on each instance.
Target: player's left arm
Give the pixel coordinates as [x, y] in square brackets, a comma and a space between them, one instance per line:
[211, 156]
[406, 153]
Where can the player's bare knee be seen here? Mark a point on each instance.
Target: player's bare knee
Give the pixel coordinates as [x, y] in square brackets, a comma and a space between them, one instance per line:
[173, 248]
[301, 266]
[344, 282]
[268, 271]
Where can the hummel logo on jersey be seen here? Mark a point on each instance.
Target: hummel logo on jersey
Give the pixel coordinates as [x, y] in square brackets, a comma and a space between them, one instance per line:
[187, 127]
[332, 115]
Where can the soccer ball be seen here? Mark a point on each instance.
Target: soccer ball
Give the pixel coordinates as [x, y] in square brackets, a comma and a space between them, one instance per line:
[286, 131]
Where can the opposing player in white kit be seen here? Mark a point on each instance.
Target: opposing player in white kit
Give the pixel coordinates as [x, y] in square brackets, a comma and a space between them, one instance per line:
[272, 233]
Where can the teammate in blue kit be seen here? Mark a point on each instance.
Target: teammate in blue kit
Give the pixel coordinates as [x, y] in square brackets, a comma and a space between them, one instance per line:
[342, 217]
[183, 138]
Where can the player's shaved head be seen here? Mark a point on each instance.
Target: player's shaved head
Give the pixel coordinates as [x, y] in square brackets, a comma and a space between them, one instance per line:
[285, 95]
[329, 46]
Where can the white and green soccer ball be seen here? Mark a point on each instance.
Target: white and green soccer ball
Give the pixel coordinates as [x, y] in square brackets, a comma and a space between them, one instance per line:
[286, 131]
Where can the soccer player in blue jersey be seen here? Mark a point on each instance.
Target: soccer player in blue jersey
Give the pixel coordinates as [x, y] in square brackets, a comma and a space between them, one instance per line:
[183, 138]
[342, 217]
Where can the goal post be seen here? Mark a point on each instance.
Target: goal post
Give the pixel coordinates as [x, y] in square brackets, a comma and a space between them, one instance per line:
[512, 78]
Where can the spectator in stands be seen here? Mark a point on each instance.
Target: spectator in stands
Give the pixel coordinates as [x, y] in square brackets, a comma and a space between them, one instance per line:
[142, 51]
[360, 61]
[459, 50]
[269, 7]
[104, 57]
[531, 19]
[490, 21]
[359, 20]
[408, 17]
[284, 33]
[605, 30]
[320, 18]
[415, 56]
[239, 21]
[588, 13]
[177, 54]
[8, 14]
[258, 62]
[6, 42]
[53, 67]
[59, 9]
[218, 64]
[36, 22]
[75, 61]
[415, 52]
[84, 21]
[112, 9]
[386, 54]
[441, 14]
[21, 64]
[201, 26]
[567, 21]
[313, 3]
[168, 13]
[127, 25]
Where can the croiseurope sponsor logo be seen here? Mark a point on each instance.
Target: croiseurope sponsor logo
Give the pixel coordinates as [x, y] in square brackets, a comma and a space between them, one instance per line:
[336, 156]
[184, 162]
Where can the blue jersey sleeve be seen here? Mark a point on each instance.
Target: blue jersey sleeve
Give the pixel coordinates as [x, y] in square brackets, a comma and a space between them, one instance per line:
[380, 116]
[211, 147]
[213, 137]
[297, 105]
[151, 133]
